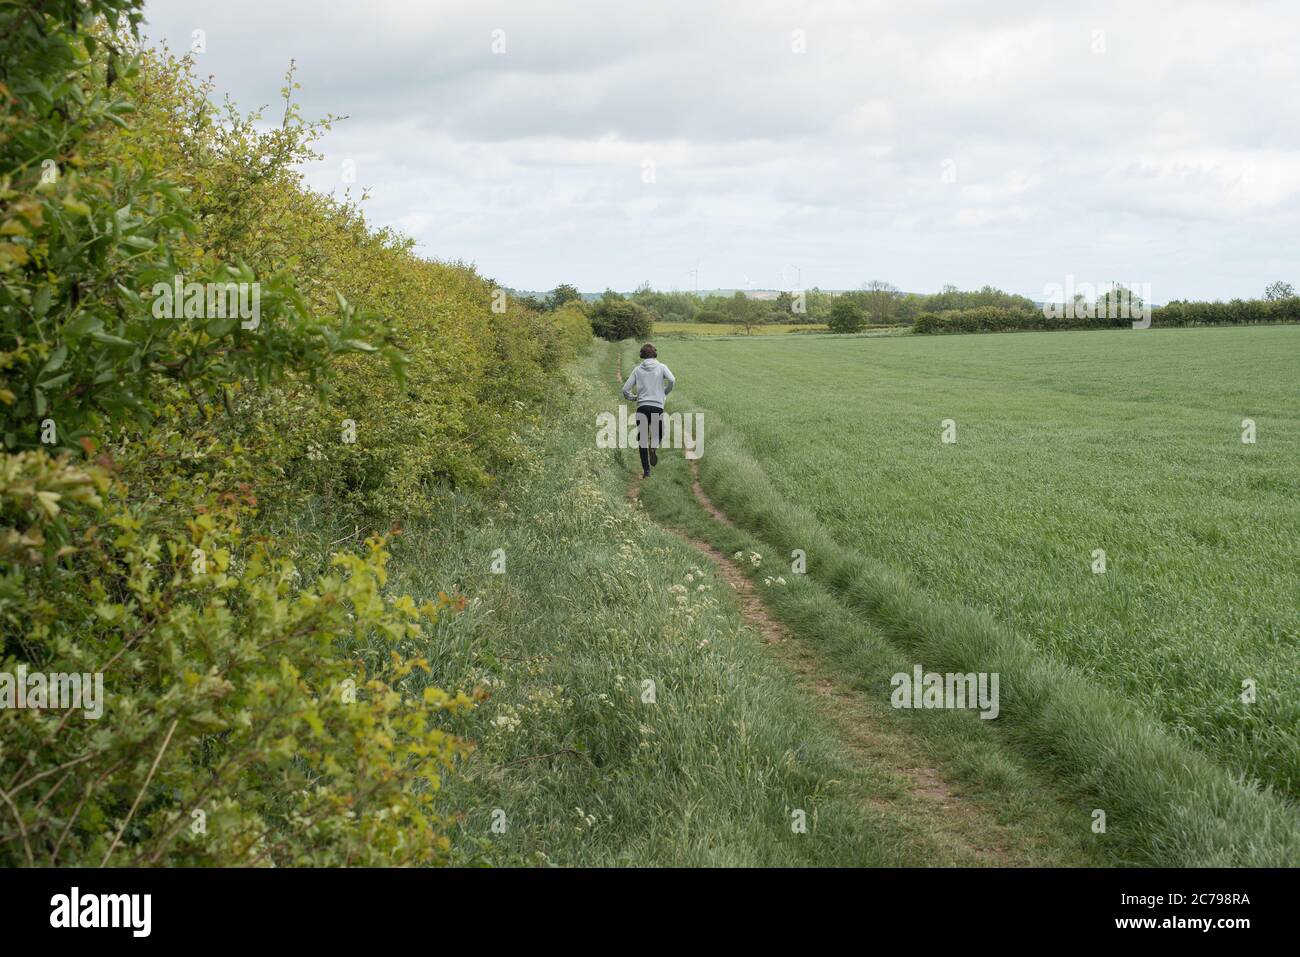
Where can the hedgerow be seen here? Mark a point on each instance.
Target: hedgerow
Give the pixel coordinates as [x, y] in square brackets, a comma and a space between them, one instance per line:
[256, 708]
[1173, 314]
[573, 328]
[473, 374]
[1233, 312]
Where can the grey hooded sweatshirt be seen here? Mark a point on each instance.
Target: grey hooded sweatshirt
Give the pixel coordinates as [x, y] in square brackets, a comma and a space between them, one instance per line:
[652, 381]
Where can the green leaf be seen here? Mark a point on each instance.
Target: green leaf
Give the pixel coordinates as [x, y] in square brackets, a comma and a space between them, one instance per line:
[109, 339]
[55, 382]
[81, 326]
[55, 362]
[41, 301]
[220, 328]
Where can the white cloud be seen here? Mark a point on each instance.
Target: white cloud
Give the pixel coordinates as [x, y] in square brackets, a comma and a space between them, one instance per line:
[922, 143]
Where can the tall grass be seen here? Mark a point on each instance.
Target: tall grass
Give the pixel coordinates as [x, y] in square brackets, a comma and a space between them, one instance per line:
[1128, 443]
[1165, 802]
[596, 599]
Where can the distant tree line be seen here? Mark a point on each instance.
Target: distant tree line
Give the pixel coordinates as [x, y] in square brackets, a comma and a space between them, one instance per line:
[876, 303]
[879, 304]
[555, 300]
[1280, 304]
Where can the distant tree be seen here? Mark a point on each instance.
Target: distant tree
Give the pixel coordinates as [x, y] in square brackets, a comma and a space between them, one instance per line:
[746, 313]
[561, 294]
[792, 307]
[908, 307]
[672, 306]
[615, 318]
[737, 308]
[950, 297]
[819, 304]
[846, 316]
[880, 301]
[531, 302]
[1119, 302]
[1277, 291]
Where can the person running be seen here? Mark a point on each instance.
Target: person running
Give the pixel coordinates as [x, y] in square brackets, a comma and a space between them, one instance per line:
[652, 381]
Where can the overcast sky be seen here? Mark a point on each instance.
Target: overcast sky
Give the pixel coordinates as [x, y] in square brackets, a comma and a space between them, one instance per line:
[824, 143]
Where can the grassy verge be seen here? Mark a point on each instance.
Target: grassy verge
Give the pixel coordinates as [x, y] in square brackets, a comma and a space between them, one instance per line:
[1165, 803]
[574, 764]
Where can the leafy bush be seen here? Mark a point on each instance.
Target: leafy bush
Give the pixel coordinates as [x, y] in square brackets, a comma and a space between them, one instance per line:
[1177, 313]
[615, 318]
[234, 728]
[78, 344]
[376, 452]
[925, 323]
[846, 316]
[979, 319]
[573, 328]
[561, 296]
[255, 710]
[1235, 312]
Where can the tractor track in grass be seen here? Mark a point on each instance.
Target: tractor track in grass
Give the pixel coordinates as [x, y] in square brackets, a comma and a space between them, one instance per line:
[968, 832]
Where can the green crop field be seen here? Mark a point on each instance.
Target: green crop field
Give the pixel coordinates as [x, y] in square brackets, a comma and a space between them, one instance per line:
[1067, 445]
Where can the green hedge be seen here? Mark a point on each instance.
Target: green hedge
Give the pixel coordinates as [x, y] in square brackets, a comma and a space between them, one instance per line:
[1178, 313]
[259, 706]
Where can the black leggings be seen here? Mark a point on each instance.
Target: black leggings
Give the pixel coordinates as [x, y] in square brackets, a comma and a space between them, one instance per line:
[648, 415]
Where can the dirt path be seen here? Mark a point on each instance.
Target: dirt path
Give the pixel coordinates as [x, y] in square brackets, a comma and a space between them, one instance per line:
[923, 779]
[968, 832]
[964, 831]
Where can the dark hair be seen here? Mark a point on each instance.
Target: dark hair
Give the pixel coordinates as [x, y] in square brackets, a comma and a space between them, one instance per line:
[648, 351]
